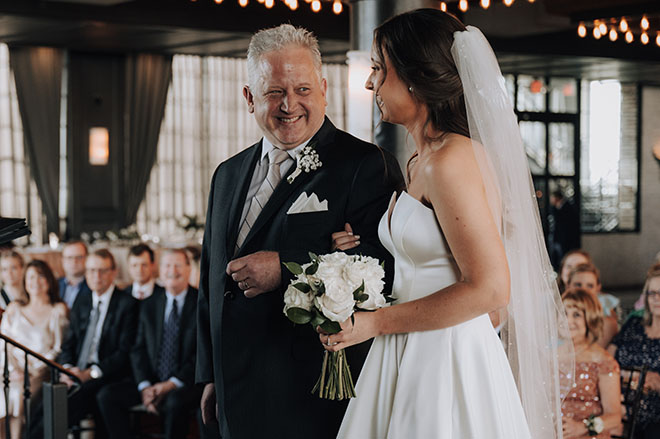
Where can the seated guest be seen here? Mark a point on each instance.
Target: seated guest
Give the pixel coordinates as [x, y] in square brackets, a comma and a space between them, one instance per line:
[195, 254]
[99, 340]
[571, 260]
[141, 271]
[163, 359]
[596, 391]
[38, 322]
[639, 303]
[12, 267]
[73, 283]
[587, 277]
[638, 344]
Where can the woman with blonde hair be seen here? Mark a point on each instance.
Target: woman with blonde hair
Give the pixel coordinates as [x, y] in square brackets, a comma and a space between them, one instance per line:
[12, 268]
[591, 404]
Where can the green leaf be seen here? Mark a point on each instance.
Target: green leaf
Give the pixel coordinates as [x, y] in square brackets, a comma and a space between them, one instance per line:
[331, 327]
[358, 292]
[311, 270]
[362, 298]
[389, 299]
[313, 256]
[317, 318]
[299, 315]
[293, 267]
[320, 290]
[303, 287]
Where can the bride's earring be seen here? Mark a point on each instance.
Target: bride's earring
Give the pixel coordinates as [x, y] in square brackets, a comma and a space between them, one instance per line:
[410, 89]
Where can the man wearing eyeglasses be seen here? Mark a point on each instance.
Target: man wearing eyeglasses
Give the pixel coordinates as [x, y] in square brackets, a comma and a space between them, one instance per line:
[97, 345]
[74, 255]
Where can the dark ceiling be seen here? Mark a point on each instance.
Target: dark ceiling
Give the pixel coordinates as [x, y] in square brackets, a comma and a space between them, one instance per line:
[537, 39]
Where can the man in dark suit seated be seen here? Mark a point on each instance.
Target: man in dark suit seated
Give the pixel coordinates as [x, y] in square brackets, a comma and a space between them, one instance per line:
[74, 255]
[163, 359]
[97, 345]
[141, 271]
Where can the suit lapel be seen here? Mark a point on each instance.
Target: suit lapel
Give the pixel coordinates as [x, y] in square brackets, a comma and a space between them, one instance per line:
[110, 315]
[284, 189]
[238, 202]
[159, 317]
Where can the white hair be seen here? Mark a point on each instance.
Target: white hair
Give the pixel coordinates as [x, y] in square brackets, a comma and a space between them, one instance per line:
[277, 38]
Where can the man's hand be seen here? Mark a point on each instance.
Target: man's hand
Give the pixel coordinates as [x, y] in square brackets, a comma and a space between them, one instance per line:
[208, 404]
[256, 273]
[148, 396]
[66, 379]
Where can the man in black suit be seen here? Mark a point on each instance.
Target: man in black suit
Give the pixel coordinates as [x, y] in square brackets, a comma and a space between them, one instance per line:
[141, 271]
[163, 359]
[97, 345]
[74, 255]
[264, 210]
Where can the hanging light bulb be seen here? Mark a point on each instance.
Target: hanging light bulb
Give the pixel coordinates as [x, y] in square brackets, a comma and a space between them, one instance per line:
[293, 4]
[463, 5]
[582, 30]
[623, 25]
[485, 4]
[657, 39]
[531, 1]
[243, 3]
[644, 23]
[613, 34]
[443, 6]
[269, 3]
[602, 27]
[508, 2]
[597, 33]
[217, 2]
[644, 38]
[261, 1]
[316, 5]
[629, 37]
[337, 7]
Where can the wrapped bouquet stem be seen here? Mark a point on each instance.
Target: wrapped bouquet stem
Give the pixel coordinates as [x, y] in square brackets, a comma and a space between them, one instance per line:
[327, 291]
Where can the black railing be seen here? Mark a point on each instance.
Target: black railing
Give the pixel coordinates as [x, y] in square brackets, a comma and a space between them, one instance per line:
[55, 370]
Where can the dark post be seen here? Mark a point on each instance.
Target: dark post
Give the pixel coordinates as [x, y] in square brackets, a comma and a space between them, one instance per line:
[55, 411]
[6, 381]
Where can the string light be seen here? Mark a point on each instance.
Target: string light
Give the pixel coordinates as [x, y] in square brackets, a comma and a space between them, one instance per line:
[508, 2]
[485, 4]
[613, 34]
[623, 25]
[316, 5]
[269, 3]
[463, 5]
[443, 6]
[629, 37]
[597, 33]
[243, 3]
[644, 23]
[293, 4]
[582, 30]
[602, 27]
[657, 39]
[644, 38]
[217, 2]
[337, 7]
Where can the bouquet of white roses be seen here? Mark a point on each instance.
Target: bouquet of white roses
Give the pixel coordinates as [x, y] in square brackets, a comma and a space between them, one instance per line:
[325, 292]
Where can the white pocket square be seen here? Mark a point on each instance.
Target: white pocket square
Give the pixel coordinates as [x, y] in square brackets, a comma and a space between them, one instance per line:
[306, 204]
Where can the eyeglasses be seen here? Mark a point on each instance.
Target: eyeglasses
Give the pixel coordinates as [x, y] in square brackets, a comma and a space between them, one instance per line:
[653, 294]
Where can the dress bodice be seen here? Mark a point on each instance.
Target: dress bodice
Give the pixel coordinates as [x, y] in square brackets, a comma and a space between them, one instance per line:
[423, 261]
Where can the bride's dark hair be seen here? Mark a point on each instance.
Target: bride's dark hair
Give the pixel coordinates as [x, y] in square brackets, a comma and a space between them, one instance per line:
[418, 44]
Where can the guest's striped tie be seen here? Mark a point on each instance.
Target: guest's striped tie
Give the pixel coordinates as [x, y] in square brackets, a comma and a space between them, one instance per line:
[275, 158]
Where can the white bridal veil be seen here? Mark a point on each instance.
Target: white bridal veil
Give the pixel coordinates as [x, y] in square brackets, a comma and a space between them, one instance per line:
[535, 312]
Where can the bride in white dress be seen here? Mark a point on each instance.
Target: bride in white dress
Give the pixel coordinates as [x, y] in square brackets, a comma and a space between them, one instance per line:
[467, 242]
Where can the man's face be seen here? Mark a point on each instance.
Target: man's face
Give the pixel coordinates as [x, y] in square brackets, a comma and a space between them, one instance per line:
[99, 273]
[289, 100]
[587, 281]
[140, 268]
[175, 272]
[73, 260]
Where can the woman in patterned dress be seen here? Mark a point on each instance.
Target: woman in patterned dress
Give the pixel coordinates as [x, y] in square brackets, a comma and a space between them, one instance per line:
[638, 344]
[595, 391]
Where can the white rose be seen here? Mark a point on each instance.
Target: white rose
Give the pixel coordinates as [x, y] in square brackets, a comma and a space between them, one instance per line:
[294, 298]
[367, 269]
[599, 425]
[336, 310]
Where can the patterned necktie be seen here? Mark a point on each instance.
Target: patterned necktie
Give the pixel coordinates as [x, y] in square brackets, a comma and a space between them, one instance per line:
[169, 347]
[88, 341]
[275, 158]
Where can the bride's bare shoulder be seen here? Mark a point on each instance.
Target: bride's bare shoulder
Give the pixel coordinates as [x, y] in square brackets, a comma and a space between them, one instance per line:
[453, 154]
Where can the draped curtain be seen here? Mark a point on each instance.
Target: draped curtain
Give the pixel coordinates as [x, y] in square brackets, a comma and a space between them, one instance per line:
[18, 193]
[147, 81]
[38, 76]
[206, 122]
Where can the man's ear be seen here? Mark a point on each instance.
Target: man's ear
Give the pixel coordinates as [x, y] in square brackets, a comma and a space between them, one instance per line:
[249, 98]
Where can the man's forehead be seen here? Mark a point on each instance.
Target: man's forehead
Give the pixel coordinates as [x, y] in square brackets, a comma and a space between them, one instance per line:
[98, 261]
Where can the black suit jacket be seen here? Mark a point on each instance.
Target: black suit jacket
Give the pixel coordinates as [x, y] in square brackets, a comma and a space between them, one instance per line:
[117, 335]
[144, 356]
[263, 366]
[84, 289]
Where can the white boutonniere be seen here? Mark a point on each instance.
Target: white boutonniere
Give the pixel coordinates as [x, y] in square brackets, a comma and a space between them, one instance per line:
[307, 160]
[594, 425]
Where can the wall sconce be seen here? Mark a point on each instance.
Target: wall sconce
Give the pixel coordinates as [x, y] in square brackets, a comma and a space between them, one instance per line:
[99, 146]
[359, 121]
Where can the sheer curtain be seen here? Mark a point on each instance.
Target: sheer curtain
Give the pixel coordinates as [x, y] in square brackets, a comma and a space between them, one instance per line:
[206, 122]
[18, 192]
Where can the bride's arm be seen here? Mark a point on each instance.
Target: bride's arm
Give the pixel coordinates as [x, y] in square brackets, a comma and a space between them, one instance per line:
[455, 188]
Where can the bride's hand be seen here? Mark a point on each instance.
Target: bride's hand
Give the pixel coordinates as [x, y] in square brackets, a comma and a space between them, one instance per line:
[345, 240]
[365, 327]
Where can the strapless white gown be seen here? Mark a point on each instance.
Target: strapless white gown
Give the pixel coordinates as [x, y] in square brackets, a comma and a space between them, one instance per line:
[452, 383]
